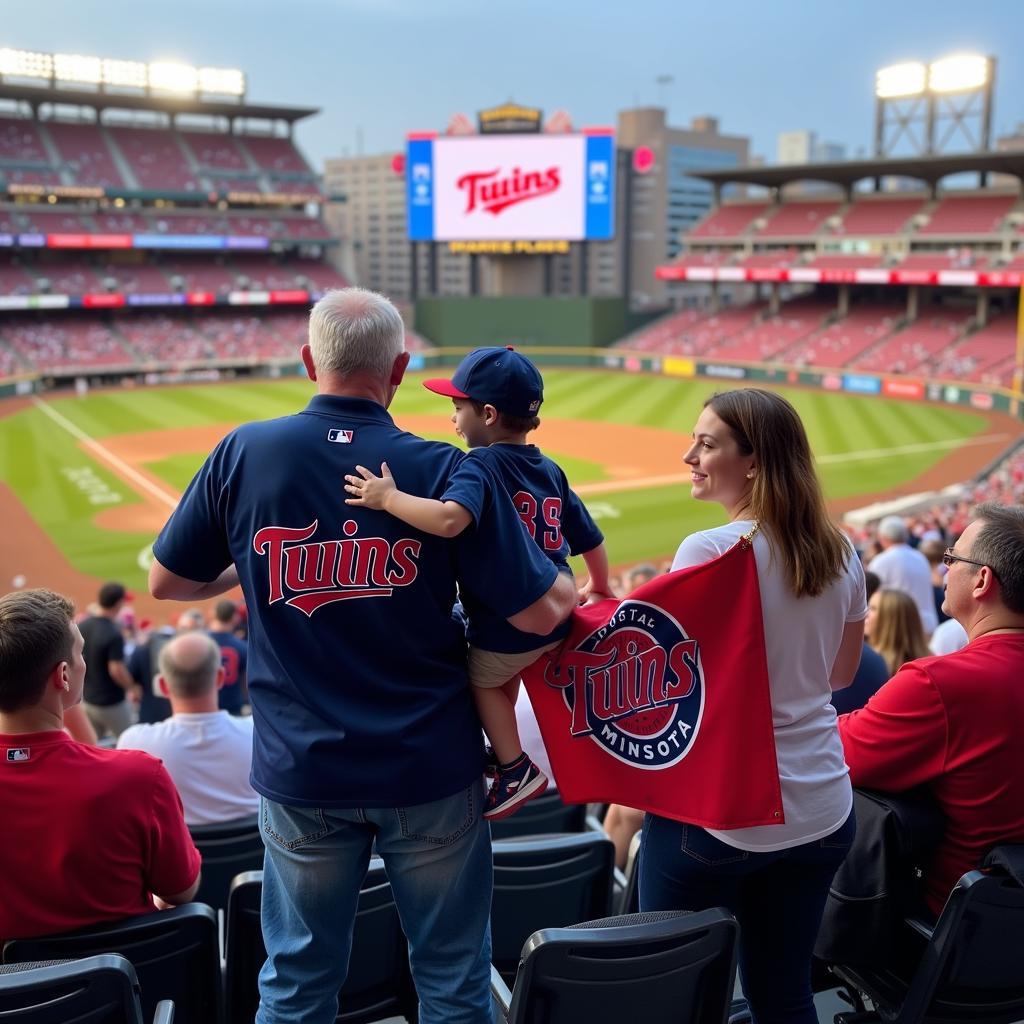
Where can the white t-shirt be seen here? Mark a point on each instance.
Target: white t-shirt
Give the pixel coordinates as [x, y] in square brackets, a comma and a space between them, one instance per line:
[802, 638]
[209, 757]
[948, 638]
[901, 567]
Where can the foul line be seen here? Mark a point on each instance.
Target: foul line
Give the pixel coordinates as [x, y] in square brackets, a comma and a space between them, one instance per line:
[106, 455]
[606, 486]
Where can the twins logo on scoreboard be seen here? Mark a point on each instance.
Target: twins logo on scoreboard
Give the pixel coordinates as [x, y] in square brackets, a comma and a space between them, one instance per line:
[635, 686]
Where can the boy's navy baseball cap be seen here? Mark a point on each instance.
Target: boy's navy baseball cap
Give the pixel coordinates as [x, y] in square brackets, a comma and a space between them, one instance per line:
[500, 377]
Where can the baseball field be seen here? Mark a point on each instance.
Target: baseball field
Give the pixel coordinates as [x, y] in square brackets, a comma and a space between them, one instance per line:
[87, 482]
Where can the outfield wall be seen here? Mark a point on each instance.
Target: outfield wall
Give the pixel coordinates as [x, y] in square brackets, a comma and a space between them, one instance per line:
[911, 389]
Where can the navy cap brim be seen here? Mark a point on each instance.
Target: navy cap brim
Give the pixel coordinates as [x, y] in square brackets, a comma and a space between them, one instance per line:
[442, 386]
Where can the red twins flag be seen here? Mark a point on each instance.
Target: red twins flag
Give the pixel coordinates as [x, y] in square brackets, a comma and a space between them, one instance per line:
[661, 701]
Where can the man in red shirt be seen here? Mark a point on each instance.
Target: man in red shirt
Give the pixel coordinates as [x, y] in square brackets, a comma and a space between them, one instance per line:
[91, 835]
[956, 722]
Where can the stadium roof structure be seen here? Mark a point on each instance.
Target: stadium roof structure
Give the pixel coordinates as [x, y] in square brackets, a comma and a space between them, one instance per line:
[168, 104]
[846, 173]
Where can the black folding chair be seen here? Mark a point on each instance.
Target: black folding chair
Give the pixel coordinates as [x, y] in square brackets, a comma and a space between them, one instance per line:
[97, 990]
[971, 967]
[661, 968]
[175, 954]
[544, 815]
[229, 848]
[547, 882]
[378, 984]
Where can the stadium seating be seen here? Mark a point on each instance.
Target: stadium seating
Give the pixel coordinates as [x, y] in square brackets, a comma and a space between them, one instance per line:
[968, 215]
[763, 340]
[982, 351]
[836, 261]
[843, 342]
[960, 258]
[84, 150]
[770, 258]
[121, 223]
[879, 217]
[216, 150]
[157, 159]
[798, 218]
[63, 341]
[546, 882]
[157, 337]
[96, 989]
[16, 280]
[670, 966]
[728, 220]
[67, 277]
[913, 350]
[19, 141]
[201, 274]
[378, 984]
[274, 154]
[29, 176]
[175, 954]
[56, 222]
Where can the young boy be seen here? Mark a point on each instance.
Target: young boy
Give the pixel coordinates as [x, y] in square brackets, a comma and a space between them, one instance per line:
[496, 393]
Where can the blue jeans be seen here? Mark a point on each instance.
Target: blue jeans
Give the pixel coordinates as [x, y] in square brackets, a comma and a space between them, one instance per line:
[778, 899]
[438, 859]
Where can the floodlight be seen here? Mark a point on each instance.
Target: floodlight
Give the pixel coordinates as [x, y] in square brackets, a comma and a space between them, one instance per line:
[222, 81]
[68, 67]
[124, 72]
[173, 77]
[897, 80]
[23, 63]
[960, 73]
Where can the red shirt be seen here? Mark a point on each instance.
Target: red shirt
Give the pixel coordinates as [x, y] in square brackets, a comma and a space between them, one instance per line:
[955, 722]
[89, 834]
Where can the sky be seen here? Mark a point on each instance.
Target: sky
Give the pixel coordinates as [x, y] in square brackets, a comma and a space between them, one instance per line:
[378, 69]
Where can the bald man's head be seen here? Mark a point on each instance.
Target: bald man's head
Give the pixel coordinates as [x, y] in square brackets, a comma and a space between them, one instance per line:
[190, 665]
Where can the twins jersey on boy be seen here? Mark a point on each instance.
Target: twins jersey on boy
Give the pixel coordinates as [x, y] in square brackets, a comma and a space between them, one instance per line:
[552, 514]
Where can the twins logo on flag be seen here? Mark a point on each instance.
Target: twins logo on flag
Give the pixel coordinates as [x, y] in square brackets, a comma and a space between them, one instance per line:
[662, 701]
[634, 686]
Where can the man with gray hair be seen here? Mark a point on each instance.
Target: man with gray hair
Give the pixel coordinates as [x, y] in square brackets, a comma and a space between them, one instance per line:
[207, 752]
[365, 732]
[901, 567]
[955, 723]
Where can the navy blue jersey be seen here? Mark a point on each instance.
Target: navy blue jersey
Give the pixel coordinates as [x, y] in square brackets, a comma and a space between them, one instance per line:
[357, 669]
[231, 696]
[553, 516]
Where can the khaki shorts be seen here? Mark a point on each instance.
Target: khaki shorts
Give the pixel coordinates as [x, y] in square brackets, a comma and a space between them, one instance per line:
[491, 669]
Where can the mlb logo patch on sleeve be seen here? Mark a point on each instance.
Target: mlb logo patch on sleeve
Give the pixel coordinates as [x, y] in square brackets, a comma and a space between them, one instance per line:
[339, 436]
[19, 753]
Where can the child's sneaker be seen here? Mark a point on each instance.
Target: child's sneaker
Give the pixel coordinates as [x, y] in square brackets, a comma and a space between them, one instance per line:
[520, 781]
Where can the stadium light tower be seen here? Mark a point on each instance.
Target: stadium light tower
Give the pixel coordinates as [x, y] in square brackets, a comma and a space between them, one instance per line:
[928, 106]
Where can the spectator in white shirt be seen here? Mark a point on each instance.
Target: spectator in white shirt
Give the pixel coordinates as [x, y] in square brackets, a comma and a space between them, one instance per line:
[207, 752]
[901, 567]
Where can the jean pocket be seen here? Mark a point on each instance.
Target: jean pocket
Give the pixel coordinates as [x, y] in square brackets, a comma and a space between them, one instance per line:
[293, 827]
[442, 822]
[706, 849]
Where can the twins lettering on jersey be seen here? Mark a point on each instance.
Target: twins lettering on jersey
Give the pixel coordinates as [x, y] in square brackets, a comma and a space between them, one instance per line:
[635, 686]
[308, 574]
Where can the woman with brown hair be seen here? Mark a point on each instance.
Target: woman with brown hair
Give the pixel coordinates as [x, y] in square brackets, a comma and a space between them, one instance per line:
[750, 454]
[893, 627]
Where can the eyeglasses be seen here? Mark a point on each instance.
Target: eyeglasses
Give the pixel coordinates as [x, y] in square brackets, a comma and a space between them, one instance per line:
[949, 557]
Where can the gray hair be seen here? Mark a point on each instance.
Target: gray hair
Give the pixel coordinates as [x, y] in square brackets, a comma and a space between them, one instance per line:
[352, 330]
[189, 663]
[895, 529]
[999, 544]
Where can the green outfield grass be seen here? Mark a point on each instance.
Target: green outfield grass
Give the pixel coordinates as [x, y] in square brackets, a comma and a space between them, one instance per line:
[64, 486]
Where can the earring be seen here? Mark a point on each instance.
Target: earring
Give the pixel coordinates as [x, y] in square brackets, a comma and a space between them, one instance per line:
[67, 687]
[750, 475]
